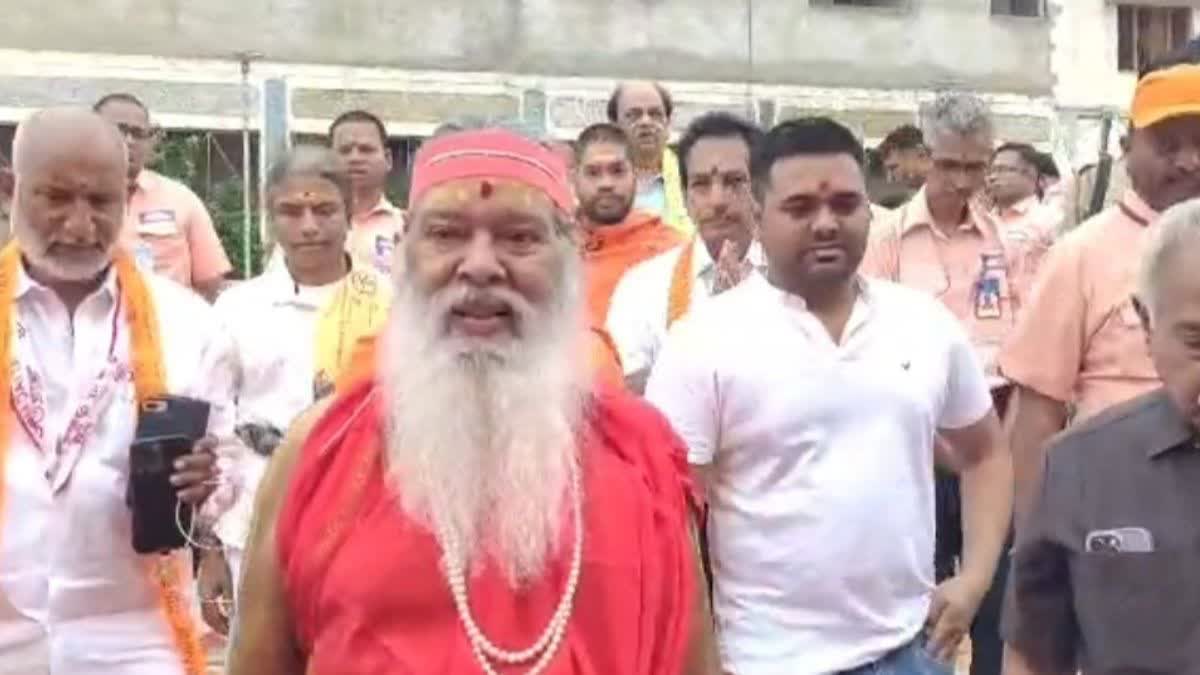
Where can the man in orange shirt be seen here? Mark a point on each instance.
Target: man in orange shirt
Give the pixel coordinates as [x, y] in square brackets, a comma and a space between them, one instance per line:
[1014, 185]
[360, 141]
[945, 242]
[166, 224]
[1079, 344]
[617, 236]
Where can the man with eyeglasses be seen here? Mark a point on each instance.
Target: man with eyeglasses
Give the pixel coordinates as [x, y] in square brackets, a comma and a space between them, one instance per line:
[166, 225]
[947, 242]
[644, 110]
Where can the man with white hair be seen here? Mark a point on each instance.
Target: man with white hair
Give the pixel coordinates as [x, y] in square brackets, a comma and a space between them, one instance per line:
[86, 342]
[945, 242]
[478, 502]
[1103, 574]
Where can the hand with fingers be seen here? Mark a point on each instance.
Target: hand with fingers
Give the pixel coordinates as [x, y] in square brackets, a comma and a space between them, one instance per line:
[214, 582]
[195, 474]
[731, 268]
[955, 602]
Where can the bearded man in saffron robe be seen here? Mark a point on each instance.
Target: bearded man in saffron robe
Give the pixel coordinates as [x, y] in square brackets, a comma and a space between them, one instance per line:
[480, 501]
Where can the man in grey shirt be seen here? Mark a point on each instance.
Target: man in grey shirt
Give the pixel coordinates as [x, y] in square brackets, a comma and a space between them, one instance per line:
[1104, 571]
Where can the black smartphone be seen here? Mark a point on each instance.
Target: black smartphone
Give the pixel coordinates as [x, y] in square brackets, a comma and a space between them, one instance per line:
[168, 428]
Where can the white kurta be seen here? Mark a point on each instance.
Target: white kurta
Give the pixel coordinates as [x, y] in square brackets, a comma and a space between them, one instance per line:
[74, 597]
[273, 323]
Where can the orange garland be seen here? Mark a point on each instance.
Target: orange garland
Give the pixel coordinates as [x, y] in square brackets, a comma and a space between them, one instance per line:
[169, 572]
[679, 298]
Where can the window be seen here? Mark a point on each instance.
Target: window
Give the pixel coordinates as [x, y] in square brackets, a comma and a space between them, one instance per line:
[1018, 8]
[1147, 33]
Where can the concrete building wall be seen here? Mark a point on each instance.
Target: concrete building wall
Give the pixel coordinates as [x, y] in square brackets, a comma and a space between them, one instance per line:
[919, 44]
[1087, 81]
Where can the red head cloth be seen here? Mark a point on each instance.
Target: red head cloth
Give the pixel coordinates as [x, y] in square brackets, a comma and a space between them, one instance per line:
[490, 153]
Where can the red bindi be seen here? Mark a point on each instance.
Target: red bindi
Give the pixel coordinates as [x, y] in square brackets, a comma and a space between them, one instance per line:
[485, 189]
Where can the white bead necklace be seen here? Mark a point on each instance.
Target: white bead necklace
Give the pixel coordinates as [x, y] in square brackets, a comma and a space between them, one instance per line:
[547, 644]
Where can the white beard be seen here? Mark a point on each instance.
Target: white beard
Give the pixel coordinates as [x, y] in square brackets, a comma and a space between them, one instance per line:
[482, 436]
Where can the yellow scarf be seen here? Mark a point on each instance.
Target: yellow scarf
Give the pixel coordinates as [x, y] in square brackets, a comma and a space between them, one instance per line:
[169, 573]
[675, 214]
[358, 310]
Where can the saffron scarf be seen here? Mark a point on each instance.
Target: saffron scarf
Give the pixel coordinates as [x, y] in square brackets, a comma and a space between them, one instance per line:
[357, 311]
[679, 297]
[168, 573]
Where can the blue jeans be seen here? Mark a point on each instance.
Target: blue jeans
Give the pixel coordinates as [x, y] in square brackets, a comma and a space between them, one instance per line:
[913, 659]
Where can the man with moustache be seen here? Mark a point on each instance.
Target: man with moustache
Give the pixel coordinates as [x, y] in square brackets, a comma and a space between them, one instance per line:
[809, 397]
[85, 339]
[360, 141]
[166, 225]
[644, 111]
[714, 156]
[477, 502]
[1078, 346]
[617, 236]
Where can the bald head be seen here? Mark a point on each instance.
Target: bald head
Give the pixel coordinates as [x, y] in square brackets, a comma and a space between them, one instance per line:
[70, 168]
[57, 132]
[643, 110]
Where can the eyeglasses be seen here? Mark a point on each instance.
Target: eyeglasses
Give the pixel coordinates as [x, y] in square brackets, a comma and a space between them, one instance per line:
[137, 133]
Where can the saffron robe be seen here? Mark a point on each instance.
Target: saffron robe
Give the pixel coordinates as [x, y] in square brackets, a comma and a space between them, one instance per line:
[366, 588]
[612, 250]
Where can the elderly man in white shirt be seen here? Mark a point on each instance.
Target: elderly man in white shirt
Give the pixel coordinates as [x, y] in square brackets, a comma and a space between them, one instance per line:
[295, 331]
[86, 338]
[809, 398]
[714, 165]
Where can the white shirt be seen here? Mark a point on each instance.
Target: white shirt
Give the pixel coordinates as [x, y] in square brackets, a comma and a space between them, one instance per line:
[822, 502]
[637, 315]
[74, 597]
[273, 322]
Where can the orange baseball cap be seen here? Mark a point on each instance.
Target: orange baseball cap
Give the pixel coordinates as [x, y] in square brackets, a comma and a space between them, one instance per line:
[1165, 94]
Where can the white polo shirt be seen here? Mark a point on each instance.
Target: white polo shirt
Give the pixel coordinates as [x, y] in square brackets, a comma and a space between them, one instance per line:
[822, 503]
[637, 315]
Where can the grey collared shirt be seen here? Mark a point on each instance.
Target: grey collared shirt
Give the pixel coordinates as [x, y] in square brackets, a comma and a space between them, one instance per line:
[1106, 570]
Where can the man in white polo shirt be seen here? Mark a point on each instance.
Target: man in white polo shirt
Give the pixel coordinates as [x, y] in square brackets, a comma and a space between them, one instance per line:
[809, 398]
[714, 166]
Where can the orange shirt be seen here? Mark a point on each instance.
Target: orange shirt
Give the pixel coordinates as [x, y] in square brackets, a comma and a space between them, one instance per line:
[169, 230]
[1079, 339]
[908, 248]
[611, 250]
[374, 236]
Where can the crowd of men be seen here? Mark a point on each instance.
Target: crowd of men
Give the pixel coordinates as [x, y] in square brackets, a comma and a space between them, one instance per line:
[620, 407]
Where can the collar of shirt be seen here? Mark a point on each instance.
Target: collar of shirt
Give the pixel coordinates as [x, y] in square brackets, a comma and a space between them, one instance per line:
[1020, 209]
[915, 214]
[28, 286]
[1166, 429]
[382, 208]
[145, 182]
[1135, 209]
[283, 289]
[859, 315]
